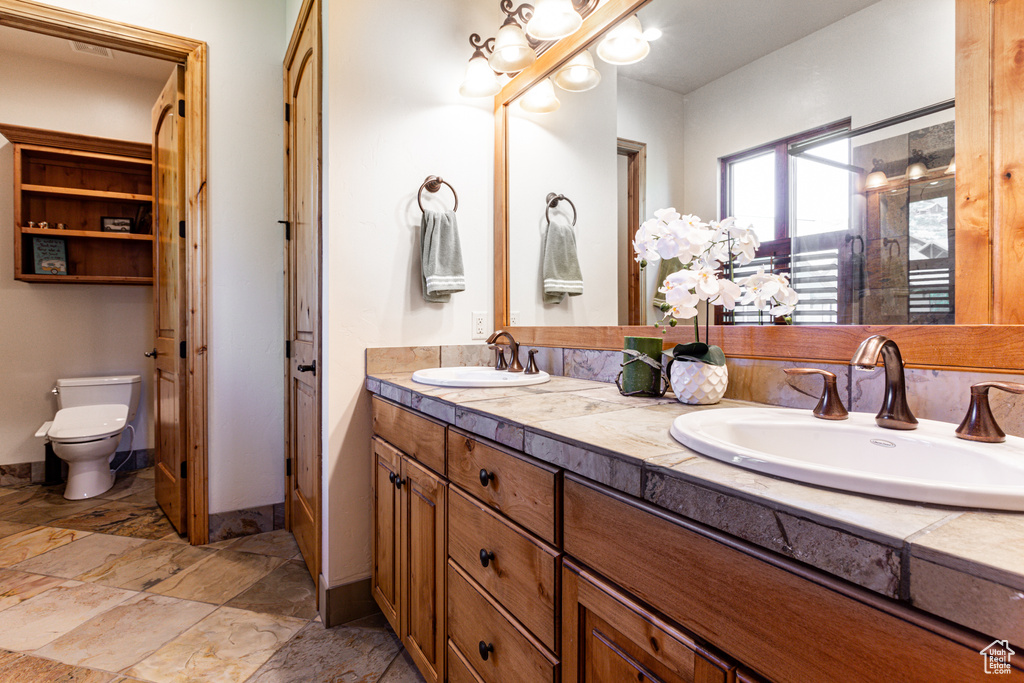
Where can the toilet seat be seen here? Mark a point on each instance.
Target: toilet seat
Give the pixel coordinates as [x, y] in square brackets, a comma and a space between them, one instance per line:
[88, 423]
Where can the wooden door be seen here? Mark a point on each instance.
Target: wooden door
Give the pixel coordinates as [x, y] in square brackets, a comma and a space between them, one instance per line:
[609, 638]
[302, 287]
[169, 310]
[424, 551]
[386, 579]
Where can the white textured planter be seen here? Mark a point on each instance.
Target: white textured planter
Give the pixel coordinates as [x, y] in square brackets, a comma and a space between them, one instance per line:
[698, 383]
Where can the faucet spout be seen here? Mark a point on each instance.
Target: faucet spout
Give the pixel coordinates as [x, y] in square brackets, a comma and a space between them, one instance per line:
[515, 365]
[894, 413]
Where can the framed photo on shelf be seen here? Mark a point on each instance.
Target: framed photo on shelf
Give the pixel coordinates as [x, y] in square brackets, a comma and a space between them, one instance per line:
[50, 256]
[116, 224]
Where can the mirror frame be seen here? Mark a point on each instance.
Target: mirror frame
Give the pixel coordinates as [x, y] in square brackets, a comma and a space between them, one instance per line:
[989, 216]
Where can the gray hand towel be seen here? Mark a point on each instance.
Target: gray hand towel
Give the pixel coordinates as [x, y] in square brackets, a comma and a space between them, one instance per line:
[561, 263]
[441, 256]
[666, 267]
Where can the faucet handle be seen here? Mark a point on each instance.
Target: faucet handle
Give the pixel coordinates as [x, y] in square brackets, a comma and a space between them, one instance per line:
[531, 363]
[830, 406]
[499, 357]
[979, 424]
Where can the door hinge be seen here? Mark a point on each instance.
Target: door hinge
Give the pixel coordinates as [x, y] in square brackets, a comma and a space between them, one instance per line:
[287, 229]
[287, 112]
[288, 467]
[184, 469]
[181, 229]
[287, 348]
[181, 108]
[181, 350]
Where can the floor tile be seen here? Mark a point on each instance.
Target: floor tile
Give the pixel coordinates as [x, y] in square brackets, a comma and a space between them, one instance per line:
[228, 645]
[18, 586]
[278, 543]
[145, 473]
[145, 566]
[140, 626]
[79, 556]
[120, 519]
[36, 541]
[359, 651]
[45, 508]
[19, 668]
[287, 591]
[402, 670]
[219, 577]
[10, 528]
[37, 621]
[127, 485]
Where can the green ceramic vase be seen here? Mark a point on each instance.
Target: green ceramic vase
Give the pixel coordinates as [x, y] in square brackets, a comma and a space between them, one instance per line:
[639, 376]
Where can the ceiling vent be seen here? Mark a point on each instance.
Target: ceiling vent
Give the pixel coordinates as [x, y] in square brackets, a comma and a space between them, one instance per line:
[87, 49]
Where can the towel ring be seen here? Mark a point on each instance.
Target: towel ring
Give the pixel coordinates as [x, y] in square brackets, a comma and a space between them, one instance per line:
[433, 183]
[853, 247]
[553, 200]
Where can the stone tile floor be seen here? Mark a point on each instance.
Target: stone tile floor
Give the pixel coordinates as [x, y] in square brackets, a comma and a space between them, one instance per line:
[103, 590]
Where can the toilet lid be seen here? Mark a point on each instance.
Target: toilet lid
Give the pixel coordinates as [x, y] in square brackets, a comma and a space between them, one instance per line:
[88, 423]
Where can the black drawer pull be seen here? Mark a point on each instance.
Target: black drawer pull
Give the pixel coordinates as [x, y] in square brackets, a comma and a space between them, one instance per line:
[486, 477]
[485, 559]
[485, 650]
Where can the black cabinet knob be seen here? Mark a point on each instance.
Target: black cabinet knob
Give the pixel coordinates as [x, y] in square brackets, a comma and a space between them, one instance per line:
[486, 557]
[486, 477]
[398, 482]
[392, 476]
[485, 650]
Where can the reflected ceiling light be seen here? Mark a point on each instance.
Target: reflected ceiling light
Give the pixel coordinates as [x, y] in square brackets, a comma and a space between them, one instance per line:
[480, 79]
[554, 19]
[578, 74]
[918, 166]
[540, 99]
[877, 177]
[512, 52]
[625, 43]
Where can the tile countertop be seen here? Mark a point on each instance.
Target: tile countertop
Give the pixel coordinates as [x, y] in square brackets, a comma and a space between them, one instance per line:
[964, 565]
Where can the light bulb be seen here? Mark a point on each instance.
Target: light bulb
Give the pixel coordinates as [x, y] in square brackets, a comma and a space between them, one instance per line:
[480, 80]
[625, 43]
[875, 179]
[540, 99]
[578, 74]
[554, 19]
[512, 52]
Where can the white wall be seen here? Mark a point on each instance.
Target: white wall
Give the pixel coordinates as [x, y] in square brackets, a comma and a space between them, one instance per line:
[246, 39]
[63, 330]
[393, 117]
[893, 57]
[571, 151]
[653, 115]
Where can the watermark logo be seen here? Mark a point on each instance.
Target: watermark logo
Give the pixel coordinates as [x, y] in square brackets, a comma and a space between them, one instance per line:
[997, 657]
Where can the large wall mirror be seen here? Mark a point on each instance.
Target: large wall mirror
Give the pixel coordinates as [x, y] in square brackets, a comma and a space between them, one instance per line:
[828, 126]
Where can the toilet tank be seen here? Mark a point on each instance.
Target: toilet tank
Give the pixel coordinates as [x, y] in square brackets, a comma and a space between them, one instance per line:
[91, 391]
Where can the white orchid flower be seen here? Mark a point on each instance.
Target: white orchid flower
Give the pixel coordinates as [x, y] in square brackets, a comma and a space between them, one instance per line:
[666, 215]
[708, 284]
[728, 293]
[745, 247]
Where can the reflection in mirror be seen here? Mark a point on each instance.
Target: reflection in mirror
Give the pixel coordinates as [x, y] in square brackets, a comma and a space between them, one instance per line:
[730, 114]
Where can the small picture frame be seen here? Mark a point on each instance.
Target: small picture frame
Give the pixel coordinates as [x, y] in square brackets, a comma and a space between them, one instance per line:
[116, 224]
[50, 256]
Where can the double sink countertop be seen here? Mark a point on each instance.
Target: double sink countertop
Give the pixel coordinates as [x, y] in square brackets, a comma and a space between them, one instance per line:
[963, 565]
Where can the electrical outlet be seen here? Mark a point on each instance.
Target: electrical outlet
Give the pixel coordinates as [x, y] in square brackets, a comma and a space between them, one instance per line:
[479, 325]
[513, 319]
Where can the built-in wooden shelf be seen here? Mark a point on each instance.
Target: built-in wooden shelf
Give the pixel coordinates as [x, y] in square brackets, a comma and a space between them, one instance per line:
[87, 234]
[53, 191]
[87, 279]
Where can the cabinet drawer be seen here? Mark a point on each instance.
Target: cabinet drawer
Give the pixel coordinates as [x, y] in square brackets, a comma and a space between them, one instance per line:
[474, 618]
[418, 437]
[522, 576]
[459, 670]
[524, 489]
[782, 620]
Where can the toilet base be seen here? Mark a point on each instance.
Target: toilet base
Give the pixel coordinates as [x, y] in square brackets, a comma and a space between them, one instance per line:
[88, 479]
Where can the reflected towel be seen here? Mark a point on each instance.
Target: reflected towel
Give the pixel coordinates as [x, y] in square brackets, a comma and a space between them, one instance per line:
[561, 263]
[441, 256]
[665, 268]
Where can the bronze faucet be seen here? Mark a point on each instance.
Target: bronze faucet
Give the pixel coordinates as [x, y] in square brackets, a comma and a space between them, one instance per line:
[979, 424]
[513, 346]
[895, 413]
[830, 406]
[499, 357]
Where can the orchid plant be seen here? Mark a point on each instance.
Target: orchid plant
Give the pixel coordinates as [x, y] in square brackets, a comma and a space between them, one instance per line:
[704, 249]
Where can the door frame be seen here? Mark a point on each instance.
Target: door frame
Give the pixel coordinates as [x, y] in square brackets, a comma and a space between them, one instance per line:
[636, 160]
[71, 25]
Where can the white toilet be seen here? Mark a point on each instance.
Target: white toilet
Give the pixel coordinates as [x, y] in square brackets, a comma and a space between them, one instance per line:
[92, 413]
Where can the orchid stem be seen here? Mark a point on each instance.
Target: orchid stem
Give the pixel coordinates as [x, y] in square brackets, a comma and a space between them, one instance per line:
[696, 328]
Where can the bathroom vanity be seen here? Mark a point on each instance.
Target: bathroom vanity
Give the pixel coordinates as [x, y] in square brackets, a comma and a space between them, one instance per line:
[557, 533]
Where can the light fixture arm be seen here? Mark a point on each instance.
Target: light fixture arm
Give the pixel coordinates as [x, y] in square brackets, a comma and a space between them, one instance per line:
[481, 47]
[524, 13]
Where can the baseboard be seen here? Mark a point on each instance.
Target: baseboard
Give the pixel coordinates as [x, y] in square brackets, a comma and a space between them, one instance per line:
[236, 523]
[346, 602]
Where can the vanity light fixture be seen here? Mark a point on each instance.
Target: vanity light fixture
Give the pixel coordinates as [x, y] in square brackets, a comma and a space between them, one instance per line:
[578, 74]
[553, 20]
[877, 177]
[512, 52]
[917, 167]
[624, 44]
[480, 80]
[952, 167]
[540, 99]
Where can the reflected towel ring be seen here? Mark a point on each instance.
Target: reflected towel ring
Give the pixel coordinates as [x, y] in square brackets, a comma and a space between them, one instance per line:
[853, 247]
[553, 200]
[888, 243]
[433, 183]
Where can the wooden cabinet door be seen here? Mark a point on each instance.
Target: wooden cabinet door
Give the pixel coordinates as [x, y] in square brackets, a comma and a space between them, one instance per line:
[170, 419]
[387, 515]
[607, 637]
[424, 552]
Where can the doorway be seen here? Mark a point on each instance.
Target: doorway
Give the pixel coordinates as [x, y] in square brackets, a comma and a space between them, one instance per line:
[633, 198]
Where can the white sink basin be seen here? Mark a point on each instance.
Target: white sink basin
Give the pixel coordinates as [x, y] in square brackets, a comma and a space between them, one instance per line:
[927, 465]
[477, 377]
